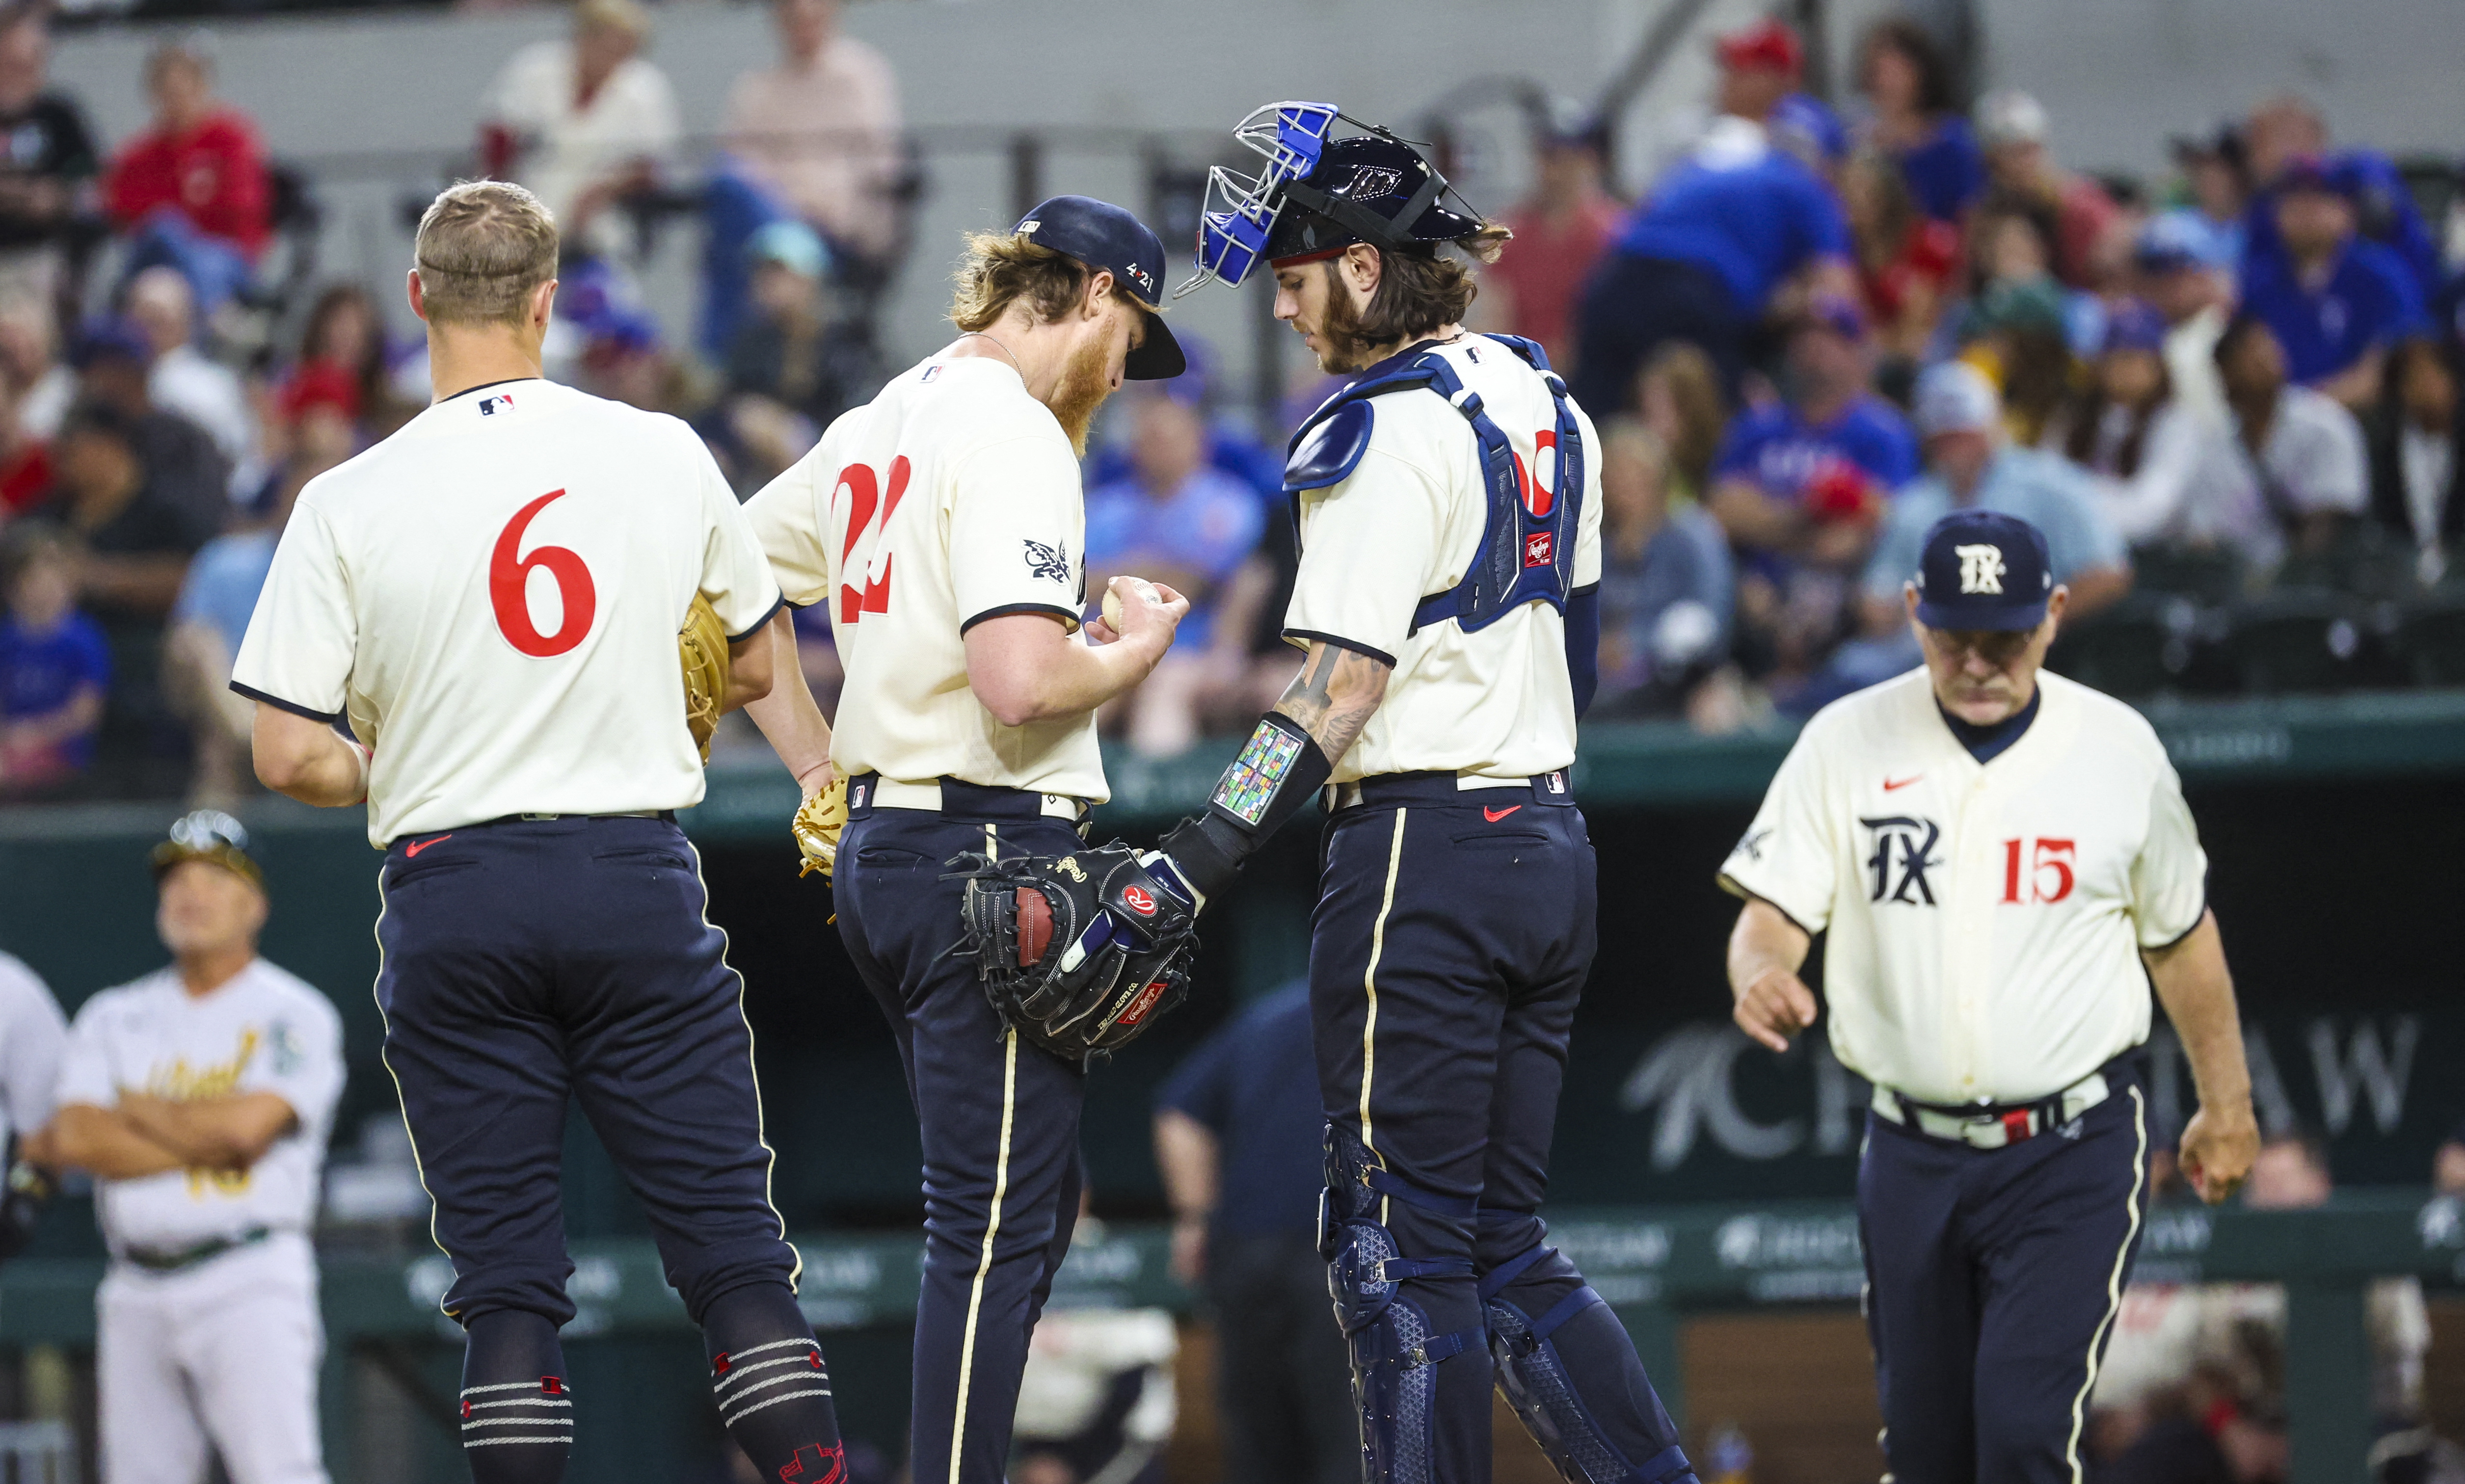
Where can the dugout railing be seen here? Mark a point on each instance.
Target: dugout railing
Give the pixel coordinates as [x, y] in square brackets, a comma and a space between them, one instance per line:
[1657, 1266]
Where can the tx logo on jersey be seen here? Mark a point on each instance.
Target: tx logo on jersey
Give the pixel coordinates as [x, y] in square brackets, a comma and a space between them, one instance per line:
[1043, 561]
[1903, 852]
[488, 404]
[1980, 568]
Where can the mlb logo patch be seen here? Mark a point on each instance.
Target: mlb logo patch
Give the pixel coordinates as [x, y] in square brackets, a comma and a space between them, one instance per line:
[488, 404]
[855, 795]
[1540, 548]
[932, 372]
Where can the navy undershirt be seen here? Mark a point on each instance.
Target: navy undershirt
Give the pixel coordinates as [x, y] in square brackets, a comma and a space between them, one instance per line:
[1986, 742]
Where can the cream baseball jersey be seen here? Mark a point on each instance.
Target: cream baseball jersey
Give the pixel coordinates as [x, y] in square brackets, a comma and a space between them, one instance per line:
[1406, 523]
[492, 597]
[32, 1034]
[952, 497]
[262, 1030]
[1986, 920]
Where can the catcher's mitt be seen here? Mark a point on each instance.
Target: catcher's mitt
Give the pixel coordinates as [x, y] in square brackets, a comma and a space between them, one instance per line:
[1079, 953]
[817, 824]
[702, 648]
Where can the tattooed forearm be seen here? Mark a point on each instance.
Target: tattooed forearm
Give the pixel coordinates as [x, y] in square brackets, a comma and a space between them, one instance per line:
[1335, 695]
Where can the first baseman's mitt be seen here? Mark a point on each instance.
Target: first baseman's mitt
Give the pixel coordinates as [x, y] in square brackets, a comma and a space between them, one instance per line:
[817, 824]
[1079, 953]
[702, 648]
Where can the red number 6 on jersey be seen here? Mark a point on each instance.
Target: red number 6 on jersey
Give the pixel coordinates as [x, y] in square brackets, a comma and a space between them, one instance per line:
[509, 575]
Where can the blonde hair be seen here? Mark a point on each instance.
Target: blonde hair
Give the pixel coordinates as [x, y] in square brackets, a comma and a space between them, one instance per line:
[483, 247]
[1002, 269]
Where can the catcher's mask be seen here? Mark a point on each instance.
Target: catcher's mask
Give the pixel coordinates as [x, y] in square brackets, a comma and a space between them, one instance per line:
[1320, 195]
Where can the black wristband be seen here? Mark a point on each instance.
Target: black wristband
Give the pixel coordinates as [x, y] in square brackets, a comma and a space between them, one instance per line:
[1280, 769]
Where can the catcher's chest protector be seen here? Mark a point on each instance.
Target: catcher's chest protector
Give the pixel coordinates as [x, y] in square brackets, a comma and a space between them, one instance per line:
[1527, 545]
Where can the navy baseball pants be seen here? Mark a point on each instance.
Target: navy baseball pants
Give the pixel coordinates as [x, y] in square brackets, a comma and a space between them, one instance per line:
[1449, 946]
[999, 1116]
[1992, 1280]
[528, 963]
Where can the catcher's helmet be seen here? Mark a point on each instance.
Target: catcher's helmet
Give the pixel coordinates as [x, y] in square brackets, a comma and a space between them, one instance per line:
[1318, 195]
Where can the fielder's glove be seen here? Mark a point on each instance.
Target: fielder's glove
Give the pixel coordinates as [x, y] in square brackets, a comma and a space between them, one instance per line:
[21, 1204]
[702, 648]
[817, 824]
[1079, 953]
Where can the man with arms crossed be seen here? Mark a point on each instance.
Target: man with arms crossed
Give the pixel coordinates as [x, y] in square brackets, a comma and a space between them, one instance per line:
[200, 1098]
[491, 596]
[943, 527]
[2004, 862]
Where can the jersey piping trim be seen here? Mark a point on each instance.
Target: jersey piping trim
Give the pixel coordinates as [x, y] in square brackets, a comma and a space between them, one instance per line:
[2113, 1281]
[328, 718]
[1577, 592]
[2178, 939]
[1737, 888]
[502, 380]
[763, 622]
[1342, 643]
[1069, 616]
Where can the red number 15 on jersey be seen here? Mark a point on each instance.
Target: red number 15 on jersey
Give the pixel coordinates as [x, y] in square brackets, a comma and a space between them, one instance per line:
[867, 498]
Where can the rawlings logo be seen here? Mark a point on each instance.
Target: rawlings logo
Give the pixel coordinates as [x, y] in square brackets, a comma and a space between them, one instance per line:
[1540, 548]
[1145, 1002]
[1137, 899]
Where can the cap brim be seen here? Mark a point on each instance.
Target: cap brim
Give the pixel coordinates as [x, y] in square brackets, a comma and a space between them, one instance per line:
[1159, 357]
[1998, 620]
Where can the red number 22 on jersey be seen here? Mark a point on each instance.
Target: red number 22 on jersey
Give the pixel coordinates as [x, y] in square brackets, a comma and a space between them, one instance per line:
[865, 500]
[509, 577]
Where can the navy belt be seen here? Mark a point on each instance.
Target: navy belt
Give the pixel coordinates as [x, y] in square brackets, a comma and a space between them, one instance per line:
[959, 799]
[1388, 789]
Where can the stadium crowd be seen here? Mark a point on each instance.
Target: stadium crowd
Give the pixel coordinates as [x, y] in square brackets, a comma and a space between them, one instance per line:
[2230, 397]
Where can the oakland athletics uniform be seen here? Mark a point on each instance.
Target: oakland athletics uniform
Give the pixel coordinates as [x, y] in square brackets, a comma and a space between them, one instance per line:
[32, 1034]
[491, 598]
[1986, 894]
[207, 1327]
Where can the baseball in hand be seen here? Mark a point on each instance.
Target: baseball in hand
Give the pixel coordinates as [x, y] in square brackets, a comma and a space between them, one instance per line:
[1113, 600]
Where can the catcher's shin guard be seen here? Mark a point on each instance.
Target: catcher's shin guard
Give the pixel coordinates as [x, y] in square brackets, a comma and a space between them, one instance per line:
[1395, 1347]
[1530, 1354]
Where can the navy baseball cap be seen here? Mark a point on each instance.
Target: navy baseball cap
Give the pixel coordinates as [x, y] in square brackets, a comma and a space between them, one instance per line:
[1102, 235]
[1983, 569]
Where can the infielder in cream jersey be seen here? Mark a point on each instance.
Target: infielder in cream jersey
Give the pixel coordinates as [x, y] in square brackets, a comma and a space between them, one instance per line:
[942, 524]
[1449, 520]
[200, 1098]
[492, 598]
[2003, 863]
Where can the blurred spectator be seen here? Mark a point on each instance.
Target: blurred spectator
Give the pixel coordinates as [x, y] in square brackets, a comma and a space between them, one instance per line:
[2335, 301]
[193, 192]
[54, 667]
[790, 350]
[1807, 476]
[2013, 127]
[821, 129]
[182, 379]
[2127, 428]
[1561, 231]
[2295, 452]
[345, 333]
[1970, 463]
[1728, 227]
[2287, 128]
[1680, 395]
[1238, 1136]
[1667, 588]
[1916, 123]
[1096, 1401]
[50, 159]
[182, 466]
[2210, 228]
[2195, 298]
[41, 385]
[2447, 1164]
[1181, 522]
[2416, 438]
[2020, 324]
[1907, 264]
[583, 122]
[219, 593]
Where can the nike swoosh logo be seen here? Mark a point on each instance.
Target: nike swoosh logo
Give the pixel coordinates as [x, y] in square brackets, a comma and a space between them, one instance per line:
[1495, 816]
[416, 846]
[1890, 784]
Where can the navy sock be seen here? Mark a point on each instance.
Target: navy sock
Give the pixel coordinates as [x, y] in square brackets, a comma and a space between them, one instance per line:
[517, 1410]
[772, 1389]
